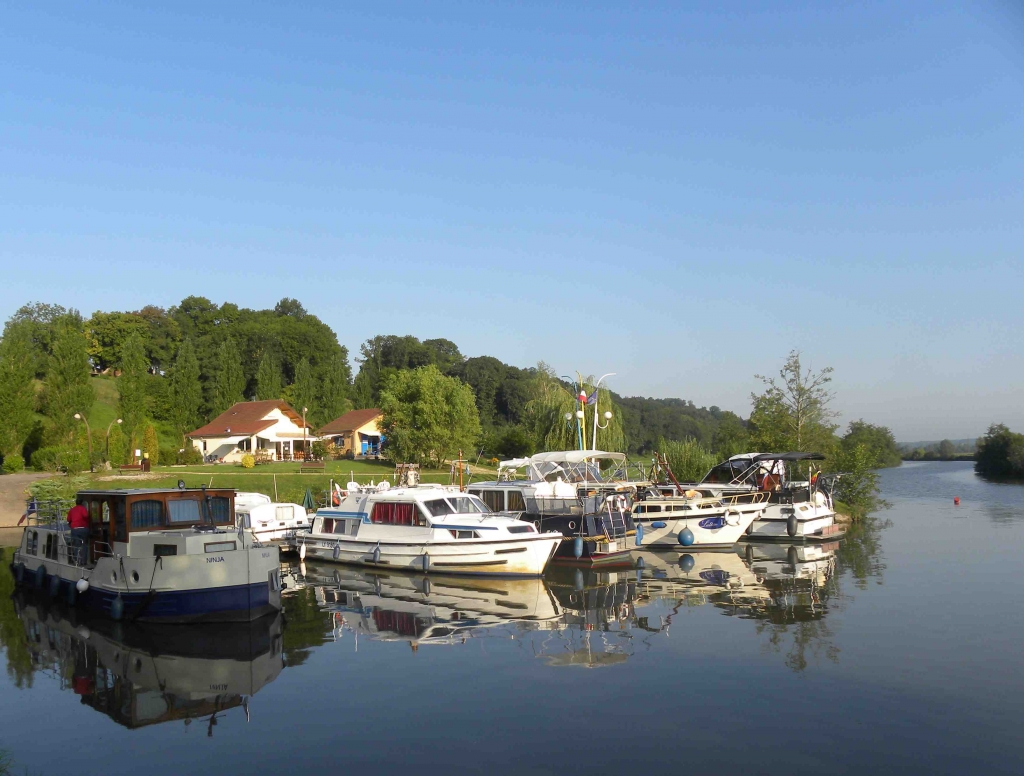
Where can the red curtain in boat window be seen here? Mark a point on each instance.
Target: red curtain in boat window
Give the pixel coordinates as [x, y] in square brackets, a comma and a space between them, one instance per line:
[394, 513]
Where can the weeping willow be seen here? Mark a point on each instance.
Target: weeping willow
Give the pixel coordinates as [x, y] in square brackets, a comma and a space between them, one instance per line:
[553, 400]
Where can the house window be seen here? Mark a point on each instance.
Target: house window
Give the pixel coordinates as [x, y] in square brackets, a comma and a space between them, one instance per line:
[394, 513]
[147, 514]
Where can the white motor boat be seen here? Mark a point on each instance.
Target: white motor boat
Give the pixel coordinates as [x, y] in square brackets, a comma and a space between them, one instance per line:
[271, 522]
[797, 509]
[683, 519]
[428, 528]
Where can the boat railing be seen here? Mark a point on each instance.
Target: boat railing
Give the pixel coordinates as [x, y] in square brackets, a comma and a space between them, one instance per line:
[47, 511]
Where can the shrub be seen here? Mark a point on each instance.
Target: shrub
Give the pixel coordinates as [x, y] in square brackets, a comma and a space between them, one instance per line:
[45, 459]
[168, 455]
[190, 456]
[13, 463]
[248, 461]
[688, 458]
[350, 455]
[319, 450]
[117, 446]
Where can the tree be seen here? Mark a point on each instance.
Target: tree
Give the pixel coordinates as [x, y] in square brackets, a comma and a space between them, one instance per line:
[332, 387]
[304, 390]
[107, 333]
[946, 450]
[877, 439]
[229, 379]
[858, 485]
[731, 437]
[1000, 454]
[67, 380]
[186, 394]
[268, 379]
[553, 401]
[151, 444]
[427, 416]
[793, 413]
[42, 321]
[131, 386]
[17, 389]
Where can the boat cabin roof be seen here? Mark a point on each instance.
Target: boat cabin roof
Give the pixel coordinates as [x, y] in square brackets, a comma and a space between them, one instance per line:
[573, 465]
[154, 491]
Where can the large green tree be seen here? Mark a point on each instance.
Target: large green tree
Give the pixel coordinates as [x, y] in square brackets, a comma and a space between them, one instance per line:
[878, 440]
[552, 415]
[1000, 454]
[332, 382]
[303, 392]
[17, 390]
[107, 333]
[68, 390]
[427, 416]
[228, 379]
[793, 412]
[268, 379]
[186, 395]
[131, 387]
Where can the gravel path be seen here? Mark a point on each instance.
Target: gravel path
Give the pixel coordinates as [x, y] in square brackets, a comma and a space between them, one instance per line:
[12, 496]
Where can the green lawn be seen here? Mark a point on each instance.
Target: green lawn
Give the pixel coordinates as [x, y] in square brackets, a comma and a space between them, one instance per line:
[104, 408]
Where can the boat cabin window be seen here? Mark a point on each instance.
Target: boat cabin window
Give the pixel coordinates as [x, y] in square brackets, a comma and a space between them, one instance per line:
[147, 514]
[220, 509]
[494, 499]
[726, 472]
[395, 513]
[120, 527]
[184, 510]
[438, 507]
[516, 503]
[32, 542]
[468, 504]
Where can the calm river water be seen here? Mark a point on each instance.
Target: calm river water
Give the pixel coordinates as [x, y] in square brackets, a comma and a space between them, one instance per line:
[901, 649]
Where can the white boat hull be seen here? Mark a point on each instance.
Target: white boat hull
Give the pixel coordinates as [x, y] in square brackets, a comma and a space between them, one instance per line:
[521, 557]
[711, 531]
[813, 521]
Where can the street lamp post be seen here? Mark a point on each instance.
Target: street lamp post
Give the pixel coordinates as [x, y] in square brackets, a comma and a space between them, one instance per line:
[88, 434]
[607, 415]
[118, 422]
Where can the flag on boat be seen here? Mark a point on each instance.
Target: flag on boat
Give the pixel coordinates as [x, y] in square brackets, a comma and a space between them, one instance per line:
[592, 399]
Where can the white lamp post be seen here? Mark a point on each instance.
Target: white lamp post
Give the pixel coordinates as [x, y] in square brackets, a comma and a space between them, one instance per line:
[607, 415]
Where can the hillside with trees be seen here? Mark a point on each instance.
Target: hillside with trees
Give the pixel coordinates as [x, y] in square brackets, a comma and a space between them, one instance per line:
[154, 374]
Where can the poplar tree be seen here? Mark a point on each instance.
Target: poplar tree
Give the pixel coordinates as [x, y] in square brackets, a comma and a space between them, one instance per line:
[131, 386]
[17, 392]
[332, 391]
[67, 379]
[304, 393]
[229, 379]
[268, 379]
[186, 392]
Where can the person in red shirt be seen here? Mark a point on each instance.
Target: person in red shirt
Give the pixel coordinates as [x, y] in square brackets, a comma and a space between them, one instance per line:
[78, 522]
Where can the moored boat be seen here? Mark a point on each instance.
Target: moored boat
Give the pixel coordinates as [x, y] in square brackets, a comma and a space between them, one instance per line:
[271, 522]
[567, 491]
[171, 555]
[426, 528]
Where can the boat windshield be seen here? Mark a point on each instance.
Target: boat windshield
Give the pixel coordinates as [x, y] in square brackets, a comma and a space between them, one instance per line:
[463, 505]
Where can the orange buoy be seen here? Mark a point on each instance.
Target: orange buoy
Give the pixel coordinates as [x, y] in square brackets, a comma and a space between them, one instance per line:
[956, 500]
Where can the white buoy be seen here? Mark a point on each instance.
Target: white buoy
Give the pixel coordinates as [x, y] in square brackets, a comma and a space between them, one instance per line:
[302, 551]
[82, 585]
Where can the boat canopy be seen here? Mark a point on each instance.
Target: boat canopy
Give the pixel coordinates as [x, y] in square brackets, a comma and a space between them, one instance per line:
[573, 465]
[794, 456]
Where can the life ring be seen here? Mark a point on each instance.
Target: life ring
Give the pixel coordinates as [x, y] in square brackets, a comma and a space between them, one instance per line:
[336, 499]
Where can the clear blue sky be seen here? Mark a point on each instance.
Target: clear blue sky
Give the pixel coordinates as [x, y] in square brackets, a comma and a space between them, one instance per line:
[679, 193]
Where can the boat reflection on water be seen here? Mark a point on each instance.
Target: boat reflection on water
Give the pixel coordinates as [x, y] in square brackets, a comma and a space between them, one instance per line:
[765, 581]
[555, 615]
[148, 674]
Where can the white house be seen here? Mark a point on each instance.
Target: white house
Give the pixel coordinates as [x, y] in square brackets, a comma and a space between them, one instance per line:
[251, 426]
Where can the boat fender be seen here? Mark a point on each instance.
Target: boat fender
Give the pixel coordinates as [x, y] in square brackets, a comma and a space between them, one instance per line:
[426, 562]
[639, 563]
[658, 524]
[686, 537]
[577, 547]
[577, 580]
[749, 553]
[750, 528]
[54, 586]
[639, 534]
[117, 608]
[19, 572]
[72, 598]
[82, 585]
[40, 576]
[302, 551]
[792, 556]
[83, 632]
[791, 525]
[426, 586]
[337, 550]
[376, 554]
[686, 562]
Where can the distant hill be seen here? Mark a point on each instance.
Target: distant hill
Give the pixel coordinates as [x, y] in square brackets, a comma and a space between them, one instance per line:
[960, 445]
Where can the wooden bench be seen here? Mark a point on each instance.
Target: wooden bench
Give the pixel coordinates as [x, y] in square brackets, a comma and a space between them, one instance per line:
[130, 467]
[312, 466]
